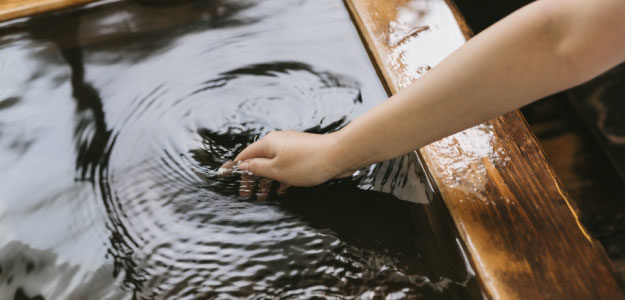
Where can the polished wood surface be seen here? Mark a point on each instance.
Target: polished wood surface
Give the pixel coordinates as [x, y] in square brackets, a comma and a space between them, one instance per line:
[12, 9]
[523, 234]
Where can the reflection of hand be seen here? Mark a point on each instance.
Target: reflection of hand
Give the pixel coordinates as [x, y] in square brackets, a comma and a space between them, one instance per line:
[252, 184]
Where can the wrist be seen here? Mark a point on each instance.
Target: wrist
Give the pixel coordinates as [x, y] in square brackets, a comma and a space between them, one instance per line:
[340, 153]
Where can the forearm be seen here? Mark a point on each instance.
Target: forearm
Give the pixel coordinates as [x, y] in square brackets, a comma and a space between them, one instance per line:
[526, 56]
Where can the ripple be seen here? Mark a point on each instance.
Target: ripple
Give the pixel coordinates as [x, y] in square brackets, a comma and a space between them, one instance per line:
[138, 120]
[179, 227]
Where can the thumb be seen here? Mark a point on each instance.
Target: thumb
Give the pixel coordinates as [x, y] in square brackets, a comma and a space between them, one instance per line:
[259, 166]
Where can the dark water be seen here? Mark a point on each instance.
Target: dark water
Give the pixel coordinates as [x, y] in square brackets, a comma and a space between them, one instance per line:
[115, 118]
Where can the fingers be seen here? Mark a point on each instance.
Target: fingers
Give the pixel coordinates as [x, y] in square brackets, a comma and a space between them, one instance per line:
[247, 186]
[264, 187]
[257, 159]
[250, 183]
[260, 149]
[226, 169]
[259, 166]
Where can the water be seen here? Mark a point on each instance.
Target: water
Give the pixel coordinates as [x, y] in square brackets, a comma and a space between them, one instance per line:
[115, 119]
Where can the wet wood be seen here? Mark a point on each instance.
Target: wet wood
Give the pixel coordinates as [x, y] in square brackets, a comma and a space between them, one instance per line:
[521, 230]
[12, 9]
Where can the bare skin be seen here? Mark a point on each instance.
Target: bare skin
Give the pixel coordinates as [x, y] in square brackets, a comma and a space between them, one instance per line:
[541, 49]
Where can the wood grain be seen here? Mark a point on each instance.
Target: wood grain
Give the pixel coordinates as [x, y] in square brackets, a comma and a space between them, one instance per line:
[12, 9]
[522, 232]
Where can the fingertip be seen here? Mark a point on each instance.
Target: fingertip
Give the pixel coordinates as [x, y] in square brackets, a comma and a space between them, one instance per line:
[240, 157]
[226, 169]
[245, 165]
[247, 152]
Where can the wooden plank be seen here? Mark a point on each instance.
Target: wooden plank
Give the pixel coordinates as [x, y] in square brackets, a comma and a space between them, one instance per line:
[12, 9]
[522, 232]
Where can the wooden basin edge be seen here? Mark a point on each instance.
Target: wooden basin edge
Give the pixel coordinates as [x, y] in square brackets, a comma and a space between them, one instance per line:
[13, 9]
[520, 228]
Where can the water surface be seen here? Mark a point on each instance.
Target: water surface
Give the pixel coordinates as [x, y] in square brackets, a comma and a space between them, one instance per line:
[115, 118]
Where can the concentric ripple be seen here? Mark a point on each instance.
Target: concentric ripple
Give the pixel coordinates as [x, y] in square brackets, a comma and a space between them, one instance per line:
[181, 229]
[115, 126]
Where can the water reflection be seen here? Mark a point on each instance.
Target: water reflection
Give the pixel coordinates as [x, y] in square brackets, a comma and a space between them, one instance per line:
[25, 270]
[129, 109]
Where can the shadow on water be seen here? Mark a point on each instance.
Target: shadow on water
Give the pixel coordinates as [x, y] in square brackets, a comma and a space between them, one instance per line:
[164, 93]
[25, 268]
[91, 144]
[91, 132]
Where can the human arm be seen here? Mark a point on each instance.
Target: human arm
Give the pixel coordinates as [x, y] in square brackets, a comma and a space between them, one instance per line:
[543, 48]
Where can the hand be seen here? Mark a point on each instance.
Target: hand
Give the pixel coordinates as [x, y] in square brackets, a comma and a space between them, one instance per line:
[294, 158]
[250, 184]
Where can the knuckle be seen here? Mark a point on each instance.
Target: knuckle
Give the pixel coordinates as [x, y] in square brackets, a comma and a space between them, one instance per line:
[251, 165]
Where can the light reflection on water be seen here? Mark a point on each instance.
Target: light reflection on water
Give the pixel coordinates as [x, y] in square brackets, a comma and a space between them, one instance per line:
[117, 119]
